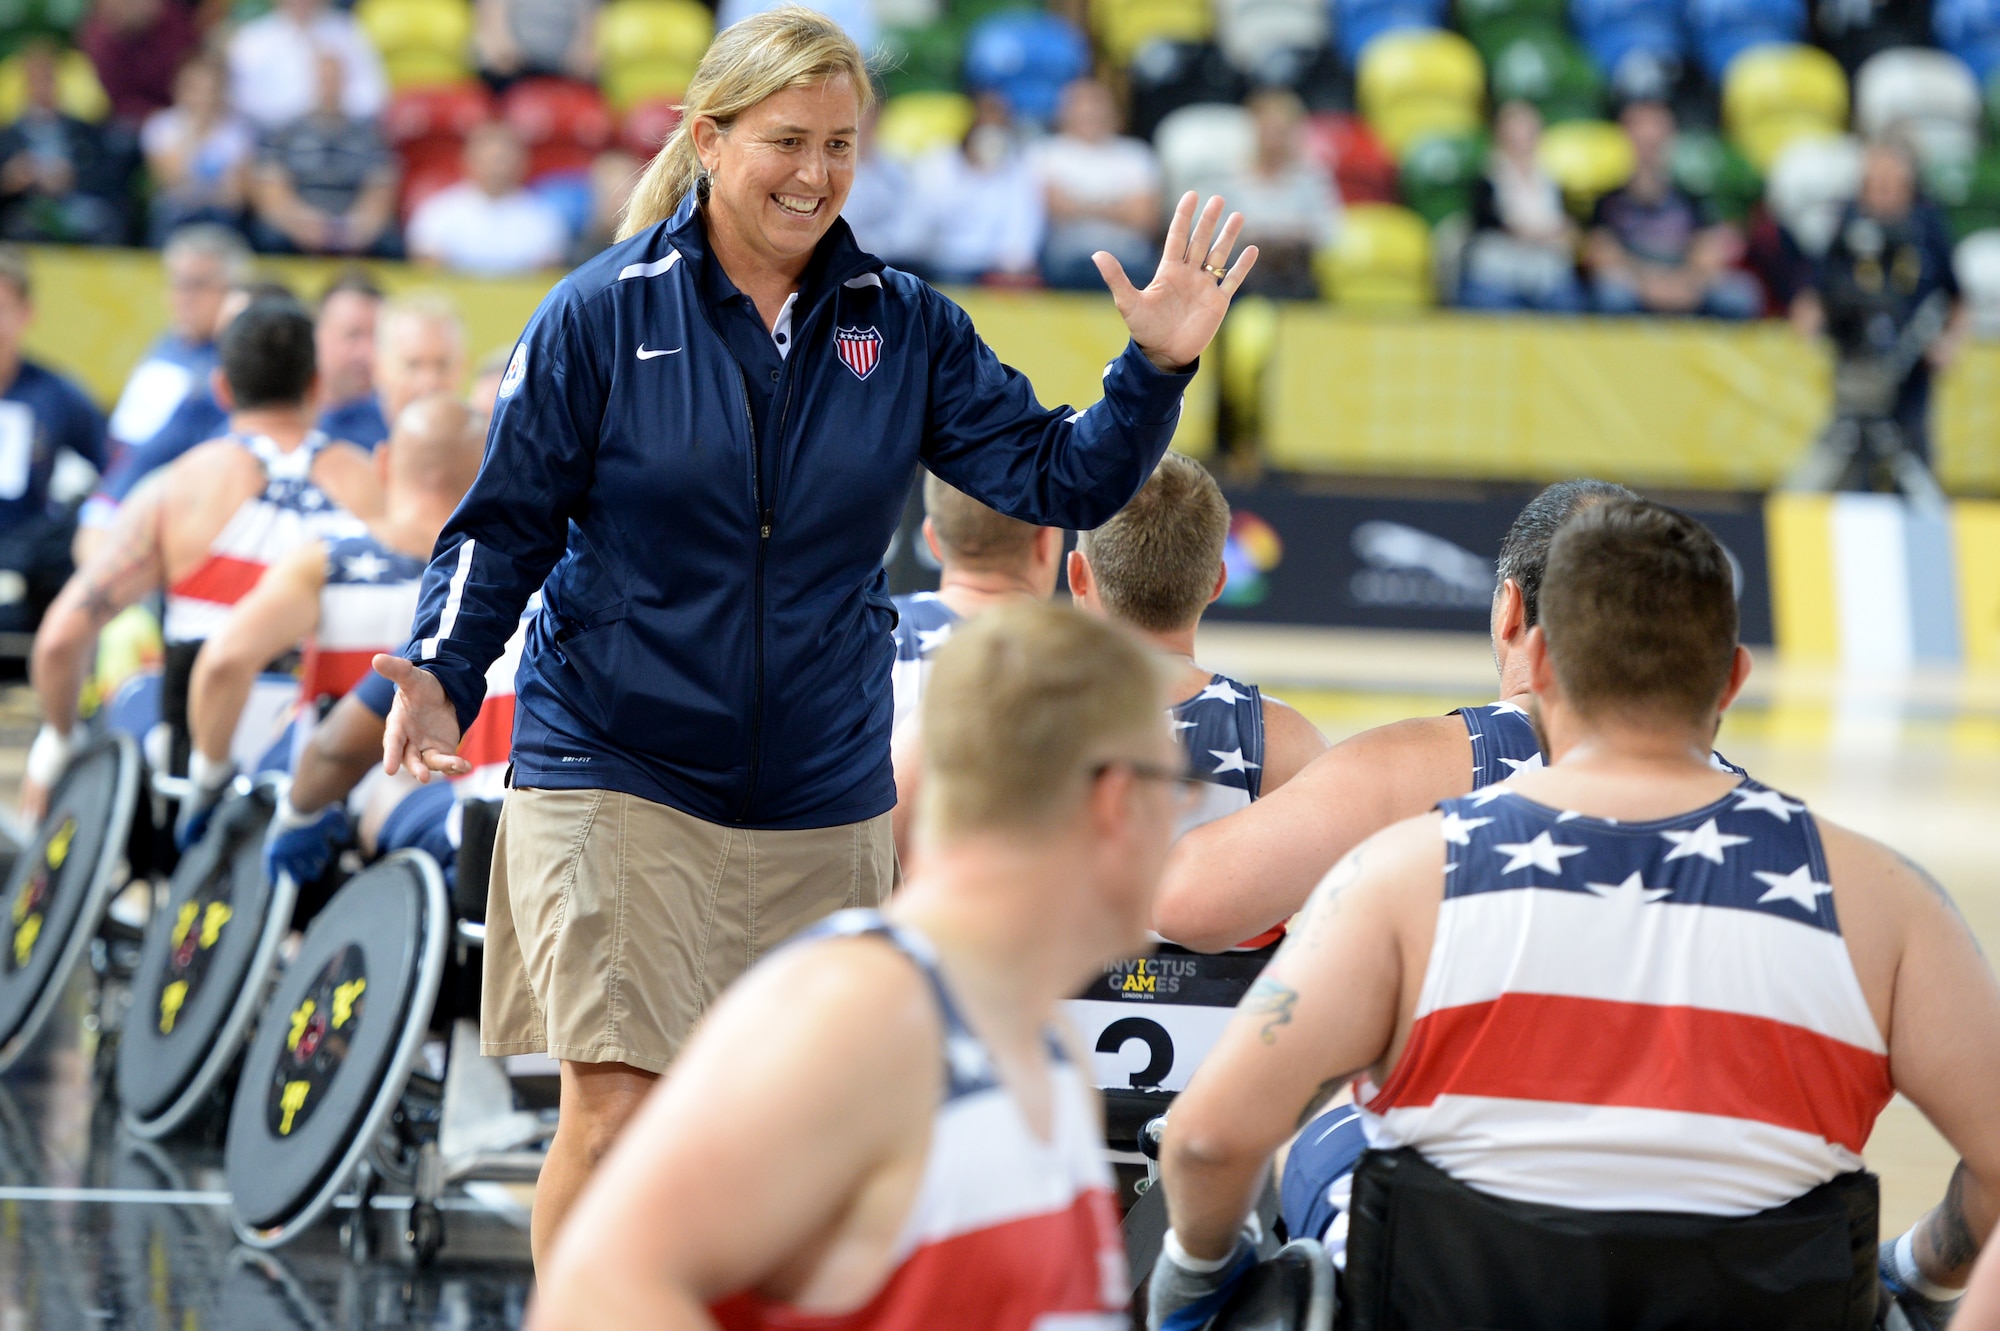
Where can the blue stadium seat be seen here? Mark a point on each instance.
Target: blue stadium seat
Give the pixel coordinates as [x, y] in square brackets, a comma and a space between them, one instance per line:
[1620, 34]
[1359, 22]
[1723, 29]
[1026, 57]
[1970, 30]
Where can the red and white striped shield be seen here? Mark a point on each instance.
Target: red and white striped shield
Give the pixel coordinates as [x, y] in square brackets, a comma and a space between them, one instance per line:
[860, 349]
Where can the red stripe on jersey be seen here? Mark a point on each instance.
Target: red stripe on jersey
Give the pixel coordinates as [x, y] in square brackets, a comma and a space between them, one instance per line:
[1591, 1051]
[332, 674]
[491, 738]
[223, 579]
[1002, 1278]
[1265, 939]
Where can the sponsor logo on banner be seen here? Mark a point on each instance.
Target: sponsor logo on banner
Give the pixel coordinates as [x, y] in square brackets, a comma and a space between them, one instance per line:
[1252, 551]
[1407, 566]
[859, 349]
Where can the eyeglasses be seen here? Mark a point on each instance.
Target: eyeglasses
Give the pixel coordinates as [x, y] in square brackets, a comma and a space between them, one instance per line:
[1186, 784]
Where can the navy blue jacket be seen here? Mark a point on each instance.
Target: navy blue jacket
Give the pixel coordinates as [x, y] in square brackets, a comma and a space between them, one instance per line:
[716, 629]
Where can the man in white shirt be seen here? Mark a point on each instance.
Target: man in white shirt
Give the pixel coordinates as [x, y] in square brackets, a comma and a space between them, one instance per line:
[982, 211]
[273, 64]
[1102, 189]
[488, 224]
[202, 262]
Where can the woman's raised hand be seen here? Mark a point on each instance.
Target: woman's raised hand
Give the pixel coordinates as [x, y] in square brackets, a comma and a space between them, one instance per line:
[421, 736]
[1176, 314]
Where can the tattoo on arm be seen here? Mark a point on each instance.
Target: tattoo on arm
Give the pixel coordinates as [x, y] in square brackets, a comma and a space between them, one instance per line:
[122, 573]
[1929, 880]
[1273, 1000]
[1951, 1235]
[1325, 902]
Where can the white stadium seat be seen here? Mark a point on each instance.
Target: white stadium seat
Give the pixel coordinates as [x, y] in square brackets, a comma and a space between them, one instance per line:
[1930, 94]
[1977, 263]
[1808, 186]
[1251, 31]
[1200, 143]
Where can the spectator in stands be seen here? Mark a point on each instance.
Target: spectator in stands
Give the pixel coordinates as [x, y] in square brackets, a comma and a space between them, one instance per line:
[517, 38]
[198, 152]
[344, 351]
[419, 350]
[980, 203]
[325, 184]
[1655, 250]
[612, 175]
[1289, 204]
[1889, 257]
[274, 65]
[855, 17]
[878, 207]
[1102, 191]
[59, 179]
[1523, 250]
[41, 414]
[136, 45]
[489, 223]
[202, 263]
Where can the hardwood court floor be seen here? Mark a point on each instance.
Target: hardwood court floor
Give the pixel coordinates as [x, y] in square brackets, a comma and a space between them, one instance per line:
[1914, 762]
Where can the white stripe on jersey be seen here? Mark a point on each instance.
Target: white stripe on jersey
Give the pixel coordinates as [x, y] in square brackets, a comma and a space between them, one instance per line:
[1583, 1156]
[354, 616]
[1577, 945]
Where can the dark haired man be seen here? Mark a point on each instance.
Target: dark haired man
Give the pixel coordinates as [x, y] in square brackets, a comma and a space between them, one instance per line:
[1250, 871]
[204, 529]
[1622, 1019]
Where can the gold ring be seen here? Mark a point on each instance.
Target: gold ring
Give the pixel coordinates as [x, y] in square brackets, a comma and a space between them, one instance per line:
[1217, 273]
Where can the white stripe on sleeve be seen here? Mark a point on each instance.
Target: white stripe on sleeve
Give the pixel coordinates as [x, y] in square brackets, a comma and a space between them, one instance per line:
[449, 619]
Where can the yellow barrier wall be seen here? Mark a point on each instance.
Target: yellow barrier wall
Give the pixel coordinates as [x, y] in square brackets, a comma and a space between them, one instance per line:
[98, 310]
[1663, 403]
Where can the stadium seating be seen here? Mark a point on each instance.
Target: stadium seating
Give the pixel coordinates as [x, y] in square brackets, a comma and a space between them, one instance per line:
[1165, 76]
[1588, 158]
[1381, 260]
[1709, 167]
[564, 124]
[647, 126]
[1361, 166]
[1808, 186]
[1545, 67]
[919, 122]
[1724, 29]
[1637, 44]
[1026, 57]
[1970, 29]
[1123, 27]
[78, 92]
[1253, 33]
[427, 126]
[1977, 263]
[1930, 95]
[1437, 174]
[1357, 23]
[1489, 24]
[921, 59]
[1196, 144]
[1419, 83]
[423, 43]
[1773, 95]
[649, 48]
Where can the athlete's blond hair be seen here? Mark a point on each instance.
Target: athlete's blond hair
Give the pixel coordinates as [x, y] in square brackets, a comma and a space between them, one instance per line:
[787, 47]
[973, 536]
[1157, 560]
[1022, 703]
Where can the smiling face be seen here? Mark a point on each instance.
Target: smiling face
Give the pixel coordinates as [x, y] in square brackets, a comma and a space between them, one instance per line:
[780, 174]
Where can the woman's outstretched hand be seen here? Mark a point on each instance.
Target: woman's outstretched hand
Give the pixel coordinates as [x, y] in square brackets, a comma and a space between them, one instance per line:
[1174, 317]
[421, 736]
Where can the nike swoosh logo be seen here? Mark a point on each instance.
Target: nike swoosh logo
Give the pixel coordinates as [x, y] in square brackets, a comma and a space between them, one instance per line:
[648, 355]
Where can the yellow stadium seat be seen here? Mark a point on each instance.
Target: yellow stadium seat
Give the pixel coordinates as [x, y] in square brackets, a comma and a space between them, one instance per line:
[1415, 83]
[650, 48]
[423, 43]
[78, 92]
[1249, 340]
[1775, 95]
[918, 122]
[1123, 26]
[1588, 158]
[1381, 260]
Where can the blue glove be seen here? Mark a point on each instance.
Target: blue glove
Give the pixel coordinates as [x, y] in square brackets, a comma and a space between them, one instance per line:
[1184, 1294]
[1909, 1292]
[304, 844]
[208, 782]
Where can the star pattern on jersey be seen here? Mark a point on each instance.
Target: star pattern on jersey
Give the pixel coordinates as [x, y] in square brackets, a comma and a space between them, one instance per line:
[1179, 724]
[1509, 709]
[1230, 760]
[1481, 798]
[364, 567]
[1543, 853]
[1707, 841]
[1770, 801]
[1458, 831]
[929, 640]
[1520, 765]
[1631, 892]
[1797, 887]
[1221, 690]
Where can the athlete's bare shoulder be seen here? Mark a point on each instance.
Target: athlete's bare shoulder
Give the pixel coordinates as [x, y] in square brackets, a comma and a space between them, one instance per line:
[348, 476]
[1887, 903]
[204, 465]
[1290, 742]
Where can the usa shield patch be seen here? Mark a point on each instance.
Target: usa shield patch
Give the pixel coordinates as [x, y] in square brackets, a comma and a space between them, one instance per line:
[859, 349]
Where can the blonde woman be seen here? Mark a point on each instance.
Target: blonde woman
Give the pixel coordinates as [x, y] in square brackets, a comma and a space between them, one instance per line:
[699, 452]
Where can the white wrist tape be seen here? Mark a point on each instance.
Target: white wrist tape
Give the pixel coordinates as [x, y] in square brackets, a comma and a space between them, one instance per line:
[208, 775]
[1200, 1266]
[49, 755]
[1905, 1254]
[288, 818]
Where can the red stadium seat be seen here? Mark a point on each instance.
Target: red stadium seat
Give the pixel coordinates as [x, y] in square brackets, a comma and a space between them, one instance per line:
[564, 124]
[1362, 167]
[419, 114]
[647, 126]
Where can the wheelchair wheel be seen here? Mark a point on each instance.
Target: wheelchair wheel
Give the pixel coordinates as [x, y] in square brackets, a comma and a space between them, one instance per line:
[1292, 1290]
[202, 969]
[59, 889]
[334, 1047]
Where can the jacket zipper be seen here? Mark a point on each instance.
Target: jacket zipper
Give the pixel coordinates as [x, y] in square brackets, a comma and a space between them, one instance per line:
[756, 602]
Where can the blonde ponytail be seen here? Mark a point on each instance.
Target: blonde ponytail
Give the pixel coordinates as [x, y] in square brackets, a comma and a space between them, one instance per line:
[787, 47]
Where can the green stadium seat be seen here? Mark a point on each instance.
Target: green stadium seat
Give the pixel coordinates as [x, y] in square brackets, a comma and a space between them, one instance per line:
[922, 59]
[1709, 167]
[1437, 174]
[1546, 67]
